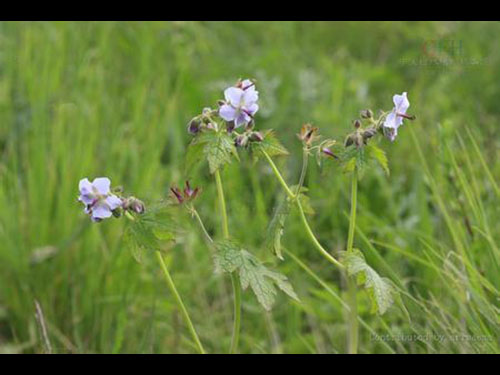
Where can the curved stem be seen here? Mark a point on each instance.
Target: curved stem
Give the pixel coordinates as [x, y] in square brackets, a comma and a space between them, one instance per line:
[278, 175]
[308, 229]
[195, 213]
[235, 280]
[177, 296]
[305, 159]
[178, 300]
[352, 345]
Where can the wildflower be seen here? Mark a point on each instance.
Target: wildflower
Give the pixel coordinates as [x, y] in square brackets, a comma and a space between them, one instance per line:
[241, 103]
[97, 197]
[188, 194]
[395, 119]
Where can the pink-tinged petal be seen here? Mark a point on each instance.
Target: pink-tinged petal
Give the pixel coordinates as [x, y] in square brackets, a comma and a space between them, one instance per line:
[102, 184]
[113, 202]
[85, 186]
[227, 112]
[101, 211]
[252, 108]
[233, 95]
[242, 119]
[401, 102]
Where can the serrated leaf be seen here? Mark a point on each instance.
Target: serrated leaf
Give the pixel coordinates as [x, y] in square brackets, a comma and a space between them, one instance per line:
[219, 149]
[230, 257]
[379, 156]
[148, 231]
[194, 155]
[270, 144]
[379, 289]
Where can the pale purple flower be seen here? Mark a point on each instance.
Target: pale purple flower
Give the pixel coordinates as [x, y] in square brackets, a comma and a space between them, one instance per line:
[97, 198]
[241, 103]
[395, 119]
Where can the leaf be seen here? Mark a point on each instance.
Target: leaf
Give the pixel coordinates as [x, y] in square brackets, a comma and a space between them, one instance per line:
[149, 231]
[380, 290]
[378, 155]
[270, 144]
[218, 150]
[230, 257]
[277, 226]
[194, 155]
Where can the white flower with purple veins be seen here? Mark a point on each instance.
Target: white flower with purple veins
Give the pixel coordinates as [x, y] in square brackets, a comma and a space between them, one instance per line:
[395, 119]
[241, 103]
[97, 197]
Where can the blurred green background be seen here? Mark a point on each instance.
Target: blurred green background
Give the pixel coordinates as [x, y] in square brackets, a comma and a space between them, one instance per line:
[89, 99]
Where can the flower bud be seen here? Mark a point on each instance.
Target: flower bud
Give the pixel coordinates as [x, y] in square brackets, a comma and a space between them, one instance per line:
[366, 113]
[194, 126]
[256, 137]
[368, 133]
[241, 140]
[133, 204]
[250, 125]
[357, 124]
[328, 152]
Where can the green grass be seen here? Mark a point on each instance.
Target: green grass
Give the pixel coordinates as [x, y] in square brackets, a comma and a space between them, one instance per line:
[113, 99]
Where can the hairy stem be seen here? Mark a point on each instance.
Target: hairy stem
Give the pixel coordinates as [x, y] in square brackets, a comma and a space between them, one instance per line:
[234, 276]
[352, 344]
[175, 293]
[196, 215]
[293, 196]
[178, 300]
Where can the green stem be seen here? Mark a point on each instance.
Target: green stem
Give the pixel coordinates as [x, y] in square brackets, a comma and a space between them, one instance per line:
[234, 276]
[178, 299]
[308, 229]
[195, 213]
[177, 296]
[352, 345]
[278, 175]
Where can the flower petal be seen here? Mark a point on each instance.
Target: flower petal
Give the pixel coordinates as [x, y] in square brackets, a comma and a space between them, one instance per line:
[227, 112]
[85, 186]
[250, 96]
[390, 121]
[401, 102]
[252, 108]
[102, 184]
[113, 202]
[233, 95]
[86, 198]
[242, 119]
[101, 211]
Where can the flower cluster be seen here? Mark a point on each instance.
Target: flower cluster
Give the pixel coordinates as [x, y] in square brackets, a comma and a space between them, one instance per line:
[100, 203]
[240, 105]
[97, 198]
